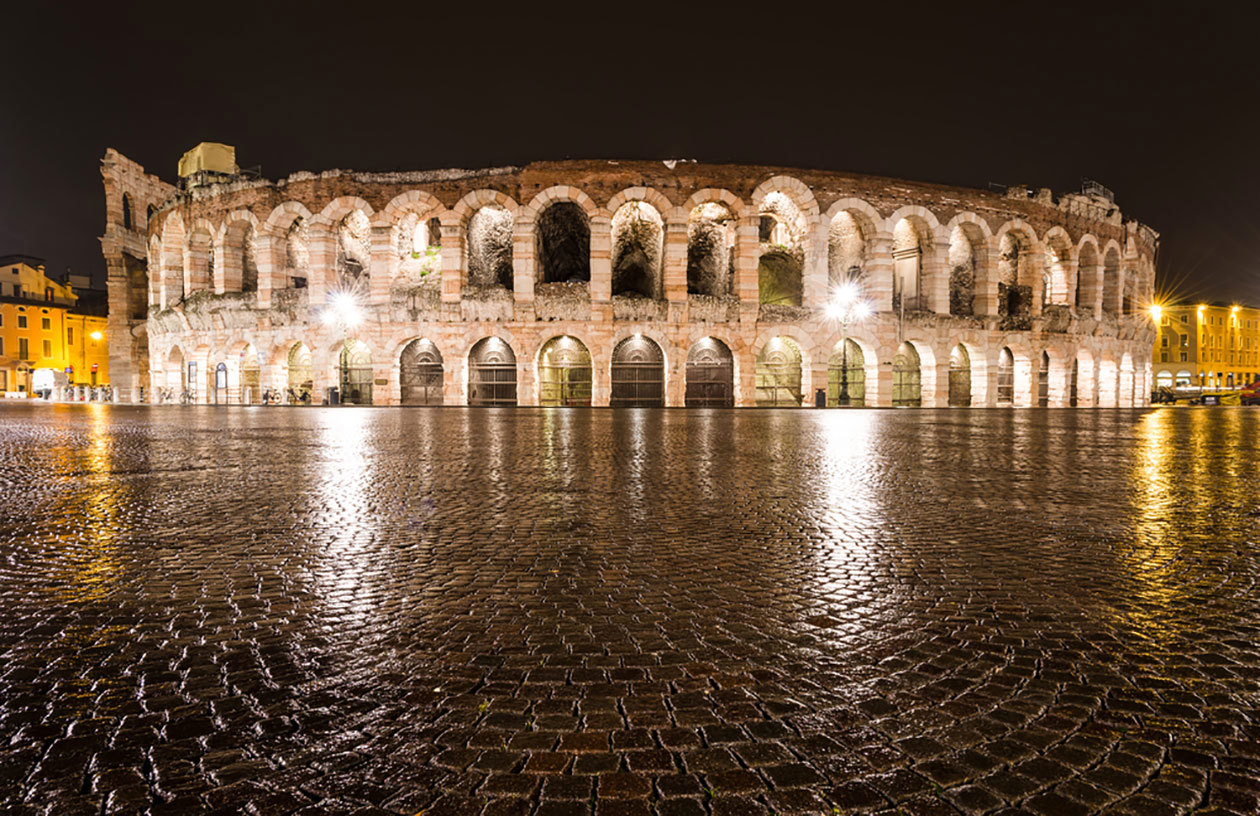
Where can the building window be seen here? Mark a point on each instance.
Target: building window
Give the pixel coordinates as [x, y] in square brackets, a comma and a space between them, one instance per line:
[47, 349]
[21, 321]
[24, 352]
[45, 323]
[1163, 341]
[70, 335]
[1, 346]
[1163, 356]
[1185, 318]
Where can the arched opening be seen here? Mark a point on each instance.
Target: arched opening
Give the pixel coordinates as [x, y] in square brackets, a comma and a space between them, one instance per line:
[638, 374]
[1164, 379]
[420, 374]
[907, 384]
[251, 376]
[297, 255]
[1055, 276]
[638, 250]
[1074, 383]
[710, 375]
[419, 256]
[1043, 381]
[354, 248]
[963, 241]
[489, 246]
[355, 368]
[300, 375]
[220, 395]
[907, 251]
[491, 373]
[781, 251]
[1111, 281]
[846, 250]
[1184, 379]
[779, 374]
[564, 373]
[175, 387]
[1087, 279]
[710, 250]
[960, 377]
[126, 211]
[240, 266]
[1014, 291]
[1006, 377]
[148, 214]
[846, 375]
[564, 243]
[200, 260]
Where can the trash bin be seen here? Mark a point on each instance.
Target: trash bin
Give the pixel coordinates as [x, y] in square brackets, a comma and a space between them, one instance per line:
[334, 397]
[820, 398]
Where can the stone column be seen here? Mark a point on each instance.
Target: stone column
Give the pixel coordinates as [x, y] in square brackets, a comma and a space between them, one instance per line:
[454, 276]
[674, 270]
[878, 274]
[523, 260]
[936, 277]
[814, 287]
[323, 251]
[746, 247]
[384, 266]
[1060, 383]
[223, 277]
[601, 259]
[939, 397]
[745, 378]
[879, 379]
[1068, 295]
[985, 303]
[264, 247]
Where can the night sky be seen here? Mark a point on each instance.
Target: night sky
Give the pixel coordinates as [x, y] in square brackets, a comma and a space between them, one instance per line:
[1159, 103]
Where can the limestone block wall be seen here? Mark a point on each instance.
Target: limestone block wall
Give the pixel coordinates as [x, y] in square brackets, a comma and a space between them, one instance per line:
[1015, 297]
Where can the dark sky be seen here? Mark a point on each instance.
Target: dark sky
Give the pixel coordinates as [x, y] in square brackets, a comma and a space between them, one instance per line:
[1161, 103]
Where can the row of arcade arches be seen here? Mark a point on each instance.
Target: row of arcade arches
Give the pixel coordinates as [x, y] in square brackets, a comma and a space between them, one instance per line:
[637, 370]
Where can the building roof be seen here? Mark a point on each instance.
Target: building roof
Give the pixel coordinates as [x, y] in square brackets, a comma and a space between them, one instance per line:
[29, 260]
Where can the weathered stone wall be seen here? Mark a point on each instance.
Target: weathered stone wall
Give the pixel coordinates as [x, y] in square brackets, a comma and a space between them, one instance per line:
[1079, 266]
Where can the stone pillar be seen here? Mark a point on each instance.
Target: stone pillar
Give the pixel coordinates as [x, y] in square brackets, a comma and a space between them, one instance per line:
[676, 379]
[601, 258]
[985, 302]
[879, 379]
[323, 250]
[936, 277]
[526, 382]
[674, 269]
[879, 274]
[264, 247]
[745, 378]
[1060, 383]
[454, 276]
[324, 365]
[523, 260]
[939, 387]
[814, 288]
[1068, 294]
[1036, 265]
[1025, 373]
[601, 378]
[746, 248]
[384, 266]
[222, 277]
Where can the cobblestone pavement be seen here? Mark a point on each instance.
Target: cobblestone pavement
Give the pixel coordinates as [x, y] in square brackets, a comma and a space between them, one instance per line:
[374, 611]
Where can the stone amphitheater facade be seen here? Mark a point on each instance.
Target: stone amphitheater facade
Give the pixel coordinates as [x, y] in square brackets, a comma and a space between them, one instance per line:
[624, 283]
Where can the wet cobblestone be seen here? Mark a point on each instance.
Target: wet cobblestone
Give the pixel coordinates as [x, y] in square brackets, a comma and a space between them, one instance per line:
[594, 612]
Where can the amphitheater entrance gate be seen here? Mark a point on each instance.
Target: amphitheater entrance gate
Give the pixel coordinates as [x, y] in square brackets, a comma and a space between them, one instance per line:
[907, 384]
[491, 373]
[356, 373]
[779, 374]
[960, 377]
[564, 373]
[251, 376]
[300, 374]
[420, 374]
[850, 362]
[638, 374]
[1043, 381]
[710, 375]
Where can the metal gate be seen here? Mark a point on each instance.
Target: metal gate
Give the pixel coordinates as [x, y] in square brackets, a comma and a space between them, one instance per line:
[907, 387]
[564, 373]
[960, 377]
[779, 374]
[251, 377]
[710, 375]
[491, 373]
[300, 382]
[638, 374]
[850, 363]
[356, 373]
[1006, 378]
[420, 374]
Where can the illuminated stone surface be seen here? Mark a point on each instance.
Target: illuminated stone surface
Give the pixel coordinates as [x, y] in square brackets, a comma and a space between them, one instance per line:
[481, 611]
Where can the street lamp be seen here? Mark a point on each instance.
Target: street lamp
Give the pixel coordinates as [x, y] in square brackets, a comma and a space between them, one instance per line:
[343, 308]
[846, 306]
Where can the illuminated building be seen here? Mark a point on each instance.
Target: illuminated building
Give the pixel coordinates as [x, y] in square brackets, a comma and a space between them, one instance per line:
[1208, 345]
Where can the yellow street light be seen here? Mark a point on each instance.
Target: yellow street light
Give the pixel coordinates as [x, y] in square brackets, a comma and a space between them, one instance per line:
[1156, 311]
[96, 335]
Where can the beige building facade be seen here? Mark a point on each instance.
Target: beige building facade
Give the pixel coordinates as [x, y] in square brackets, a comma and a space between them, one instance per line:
[1207, 345]
[623, 283]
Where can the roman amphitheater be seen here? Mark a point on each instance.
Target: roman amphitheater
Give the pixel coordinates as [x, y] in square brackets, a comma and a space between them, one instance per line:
[624, 283]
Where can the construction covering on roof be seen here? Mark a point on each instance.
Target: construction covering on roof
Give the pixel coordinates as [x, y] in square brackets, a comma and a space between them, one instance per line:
[208, 157]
